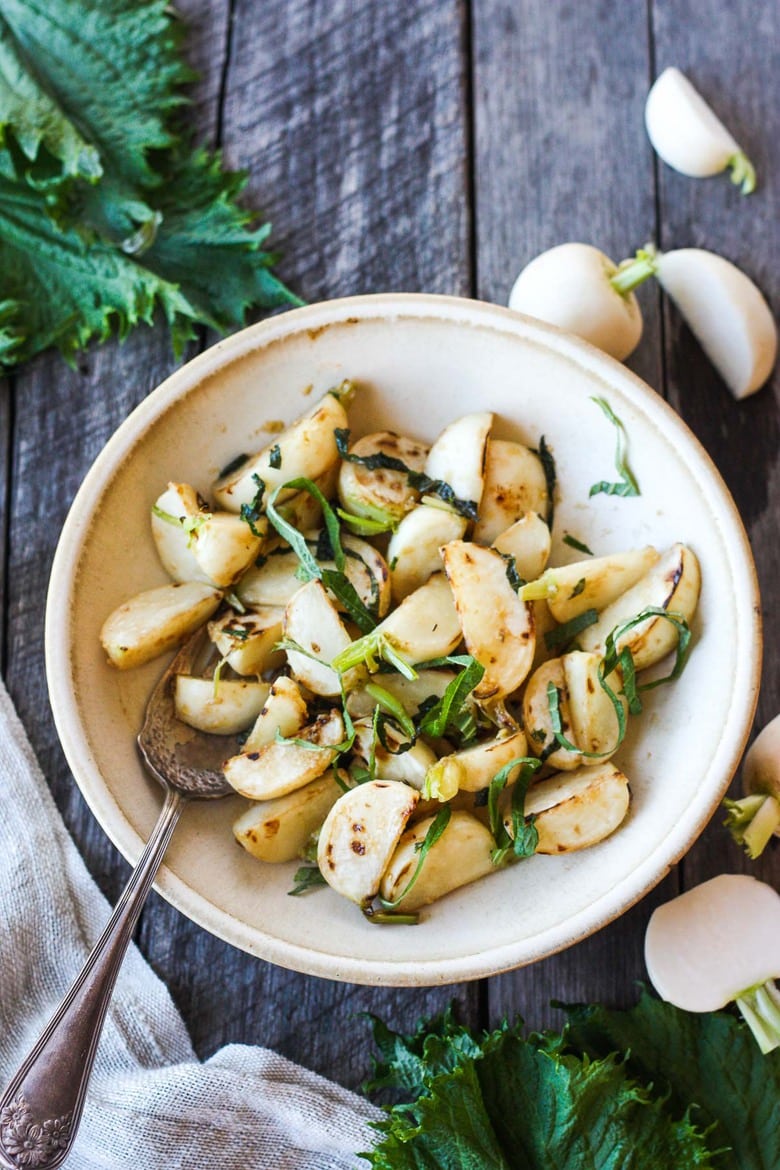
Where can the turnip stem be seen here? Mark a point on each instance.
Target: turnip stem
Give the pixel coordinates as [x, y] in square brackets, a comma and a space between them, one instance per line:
[743, 174]
[634, 272]
[760, 1008]
[752, 821]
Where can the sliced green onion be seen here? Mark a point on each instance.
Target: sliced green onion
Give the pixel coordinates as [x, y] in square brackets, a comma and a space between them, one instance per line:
[628, 485]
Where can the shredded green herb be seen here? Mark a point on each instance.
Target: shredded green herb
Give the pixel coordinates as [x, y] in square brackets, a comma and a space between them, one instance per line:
[275, 457]
[563, 634]
[446, 713]
[423, 848]
[550, 477]
[524, 838]
[627, 486]
[578, 544]
[252, 512]
[307, 878]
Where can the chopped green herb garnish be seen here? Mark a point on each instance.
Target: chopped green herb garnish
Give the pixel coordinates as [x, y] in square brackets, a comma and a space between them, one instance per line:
[512, 575]
[578, 589]
[275, 457]
[550, 477]
[423, 848]
[442, 716]
[565, 633]
[251, 513]
[524, 838]
[628, 485]
[574, 543]
[364, 525]
[307, 877]
[393, 707]
[233, 465]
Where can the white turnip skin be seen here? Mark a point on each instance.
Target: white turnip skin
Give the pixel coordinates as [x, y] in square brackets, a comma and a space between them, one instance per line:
[688, 136]
[726, 312]
[717, 943]
[754, 819]
[569, 286]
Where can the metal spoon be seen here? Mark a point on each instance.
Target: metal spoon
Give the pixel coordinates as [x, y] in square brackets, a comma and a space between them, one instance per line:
[41, 1108]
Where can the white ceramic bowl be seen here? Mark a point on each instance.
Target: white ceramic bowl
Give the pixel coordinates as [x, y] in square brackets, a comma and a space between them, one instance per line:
[423, 361]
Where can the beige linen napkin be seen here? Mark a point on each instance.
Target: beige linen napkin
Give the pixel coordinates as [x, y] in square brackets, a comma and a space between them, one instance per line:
[151, 1103]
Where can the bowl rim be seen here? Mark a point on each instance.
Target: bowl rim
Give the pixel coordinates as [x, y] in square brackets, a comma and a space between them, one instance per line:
[315, 317]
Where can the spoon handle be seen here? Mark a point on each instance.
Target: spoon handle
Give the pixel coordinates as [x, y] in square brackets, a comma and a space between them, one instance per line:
[41, 1108]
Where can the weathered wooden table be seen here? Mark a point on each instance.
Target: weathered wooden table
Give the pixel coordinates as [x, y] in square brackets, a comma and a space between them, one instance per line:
[428, 145]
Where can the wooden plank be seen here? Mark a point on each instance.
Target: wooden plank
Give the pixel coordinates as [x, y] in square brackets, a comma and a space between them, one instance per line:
[6, 424]
[561, 154]
[730, 55]
[351, 119]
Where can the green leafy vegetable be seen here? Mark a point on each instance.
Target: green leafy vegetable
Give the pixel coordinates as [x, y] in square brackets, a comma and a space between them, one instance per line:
[435, 830]
[628, 485]
[446, 712]
[107, 213]
[524, 838]
[499, 1101]
[550, 478]
[307, 877]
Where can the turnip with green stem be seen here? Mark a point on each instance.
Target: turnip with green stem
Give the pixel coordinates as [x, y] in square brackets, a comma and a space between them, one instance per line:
[574, 287]
[720, 943]
[688, 136]
[756, 817]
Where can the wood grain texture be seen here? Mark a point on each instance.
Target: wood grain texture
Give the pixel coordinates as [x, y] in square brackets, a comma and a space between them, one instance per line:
[561, 154]
[732, 57]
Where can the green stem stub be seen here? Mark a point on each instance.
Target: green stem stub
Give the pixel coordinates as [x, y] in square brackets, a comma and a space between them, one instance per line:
[752, 821]
[632, 273]
[743, 174]
[760, 1008]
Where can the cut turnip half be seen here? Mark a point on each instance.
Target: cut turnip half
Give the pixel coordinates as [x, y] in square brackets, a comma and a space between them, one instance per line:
[688, 136]
[717, 943]
[728, 315]
[756, 817]
[571, 286]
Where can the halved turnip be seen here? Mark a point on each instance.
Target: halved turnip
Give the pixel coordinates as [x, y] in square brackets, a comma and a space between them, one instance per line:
[382, 495]
[574, 810]
[175, 514]
[514, 484]
[410, 765]
[248, 641]
[528, 542]
[311, 622]
[225, 545]
[279, 830]
[726, 312]
[284, 711]
[570, 590]
[155, 621]
[306, 448]
[717, 943]
[587, 714]
[457, 458]
[222, 707]
[462, 854]
[360, 835]
[688, 136]
[498, 627]
[672, 585]
[413, 553]
[577, 288]
[753, 819]
[278, 768]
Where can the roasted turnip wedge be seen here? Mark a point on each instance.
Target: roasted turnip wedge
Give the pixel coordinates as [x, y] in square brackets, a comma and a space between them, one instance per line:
[225, 546]
[457, 459]
[155, 621]
[593, 584]
[248, 641]
[222, 707]
[528, 542]
[409, 692]
[307, 448]
[671, 586]
[360, 835]
[274, 580]
[588, 722]
[472, 769]
[409, 764]
[574, 810]
[688, 136]
[312, 623]
[413, 552]
[717, 943]
[381, 494]
[578, 288]
[753, 819]
[423, 627]
[279, 830]
[284, 712]
[175, 515]
[280, 768]
[461, 854]
[514, 484]
[498, 628]
[728, 315]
